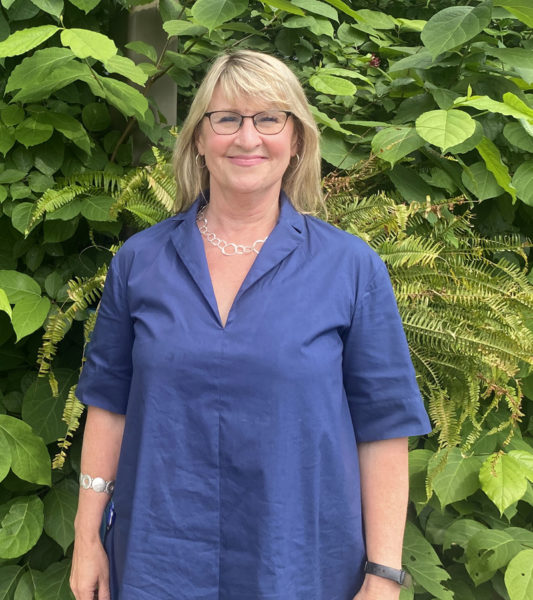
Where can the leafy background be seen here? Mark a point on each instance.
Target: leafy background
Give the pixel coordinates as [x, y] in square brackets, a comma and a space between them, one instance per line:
[426, 113]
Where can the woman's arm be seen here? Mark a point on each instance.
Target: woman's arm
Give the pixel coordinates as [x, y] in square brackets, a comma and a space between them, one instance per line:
[102, 440]
[385, 491]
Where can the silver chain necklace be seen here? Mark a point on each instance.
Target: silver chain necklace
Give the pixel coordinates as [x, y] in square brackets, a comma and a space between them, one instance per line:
[227, 248]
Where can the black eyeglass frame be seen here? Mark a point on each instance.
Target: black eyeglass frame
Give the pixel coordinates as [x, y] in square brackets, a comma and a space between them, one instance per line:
[288, 113]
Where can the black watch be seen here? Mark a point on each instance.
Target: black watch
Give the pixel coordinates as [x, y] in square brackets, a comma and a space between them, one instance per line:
[397, 575]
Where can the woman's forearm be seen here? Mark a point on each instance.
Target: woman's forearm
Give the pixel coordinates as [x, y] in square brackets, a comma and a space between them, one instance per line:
[385, 491]
[102, 440]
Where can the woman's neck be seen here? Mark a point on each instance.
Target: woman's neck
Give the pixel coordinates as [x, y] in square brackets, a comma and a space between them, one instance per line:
[243, 217]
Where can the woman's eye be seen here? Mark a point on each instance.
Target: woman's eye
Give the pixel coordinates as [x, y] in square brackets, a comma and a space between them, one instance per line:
[227, 118]
[266, 118]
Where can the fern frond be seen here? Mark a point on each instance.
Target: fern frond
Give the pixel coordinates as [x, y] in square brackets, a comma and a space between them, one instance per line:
[54, 199]
[71, 416]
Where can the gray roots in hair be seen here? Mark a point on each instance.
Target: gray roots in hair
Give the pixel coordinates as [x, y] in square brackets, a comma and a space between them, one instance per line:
[246, 73]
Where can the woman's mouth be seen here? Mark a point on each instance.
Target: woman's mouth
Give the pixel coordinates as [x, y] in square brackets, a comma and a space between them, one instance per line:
[245, 160]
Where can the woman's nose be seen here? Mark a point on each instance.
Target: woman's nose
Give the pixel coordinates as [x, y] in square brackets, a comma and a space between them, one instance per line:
[247, 135]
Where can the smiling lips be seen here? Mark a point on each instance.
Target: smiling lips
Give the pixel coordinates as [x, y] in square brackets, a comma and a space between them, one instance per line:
[246, 160]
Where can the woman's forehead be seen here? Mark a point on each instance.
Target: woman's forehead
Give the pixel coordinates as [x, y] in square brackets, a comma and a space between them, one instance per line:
[242, 102]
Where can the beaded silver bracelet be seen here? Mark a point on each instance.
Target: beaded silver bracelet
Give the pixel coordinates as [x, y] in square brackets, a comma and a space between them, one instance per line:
[98, 484]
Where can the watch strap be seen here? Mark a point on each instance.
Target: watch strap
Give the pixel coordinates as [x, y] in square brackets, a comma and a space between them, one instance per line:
[398, 575]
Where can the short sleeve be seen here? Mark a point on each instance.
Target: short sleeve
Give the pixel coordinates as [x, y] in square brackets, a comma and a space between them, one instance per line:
[379, 377]
[106, 374]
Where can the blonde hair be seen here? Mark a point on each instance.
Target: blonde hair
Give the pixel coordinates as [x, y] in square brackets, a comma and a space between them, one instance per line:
[252, 74]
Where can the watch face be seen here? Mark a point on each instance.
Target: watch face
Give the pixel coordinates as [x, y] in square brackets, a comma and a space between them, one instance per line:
[99, 484]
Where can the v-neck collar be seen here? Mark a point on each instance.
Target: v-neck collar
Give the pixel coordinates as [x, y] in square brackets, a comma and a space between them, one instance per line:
[282, 241]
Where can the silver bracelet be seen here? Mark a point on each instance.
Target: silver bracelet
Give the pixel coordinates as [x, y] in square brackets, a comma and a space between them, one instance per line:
[98, 484]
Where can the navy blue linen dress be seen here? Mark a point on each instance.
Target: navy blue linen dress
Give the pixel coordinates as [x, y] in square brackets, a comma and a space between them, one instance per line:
[238, 477]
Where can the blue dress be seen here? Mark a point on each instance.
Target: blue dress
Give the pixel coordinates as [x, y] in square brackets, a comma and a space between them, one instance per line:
[238, 477]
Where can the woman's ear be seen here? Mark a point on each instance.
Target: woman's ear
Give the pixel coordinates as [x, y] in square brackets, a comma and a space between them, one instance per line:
[198, 140]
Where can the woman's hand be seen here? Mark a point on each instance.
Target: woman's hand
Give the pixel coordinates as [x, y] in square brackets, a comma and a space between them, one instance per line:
[89, 576]
[378, 588]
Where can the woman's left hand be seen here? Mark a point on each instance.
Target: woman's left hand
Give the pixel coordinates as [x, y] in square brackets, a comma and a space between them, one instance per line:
[378, 588]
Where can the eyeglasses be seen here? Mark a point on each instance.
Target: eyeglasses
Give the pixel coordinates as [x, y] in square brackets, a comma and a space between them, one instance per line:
[268, 122]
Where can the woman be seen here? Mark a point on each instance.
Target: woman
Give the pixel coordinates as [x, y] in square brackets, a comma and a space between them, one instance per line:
[249, 365]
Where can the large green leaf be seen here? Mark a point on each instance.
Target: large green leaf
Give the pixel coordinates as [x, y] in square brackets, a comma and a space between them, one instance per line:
[343, 7]
[88, 44]
[5, 458]
[488, 551]
[453, 26]
[519, 59]
[126, 67]
[511, 106]
[410, 185]
[53, 7]
[518, 136]
[470, 143]
[5, 306]
[318, 8]
[377, 19]
[43, 410]
[519, 576]
[70, 127]
[323, 119]
[338, 152]
[393, 143]
[124, 97]
[445, 128]
[212, 13]
[11, 175]
[423, 563]
[9, 576]
[503, 480]
[525, 459]
[331, 84]
[459, 478]
[53, 584]
[7, 139]
[26, 585]
[39, 182]
[26, 39]
[491, 155]
[21, 526]
[178, 27]
[481, 182]
[85, 5]
[58, 230]
[60, 505]
[460, 532]
[96, 208]
[418, 466]
[18, 286]
[421, 59]
[341, 72]
[21, 216]
[284, 5]
[49, 156]
[143, 49]
[12, 115]
[42, 73]
[521, 9]
[29, 457]
[28, 315]
[523, 182]
[32, 131]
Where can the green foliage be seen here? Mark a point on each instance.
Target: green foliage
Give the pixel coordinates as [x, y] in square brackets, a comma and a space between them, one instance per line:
[426, 103]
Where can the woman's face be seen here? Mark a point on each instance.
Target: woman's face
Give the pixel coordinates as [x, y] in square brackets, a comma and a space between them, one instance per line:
[245, 162]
